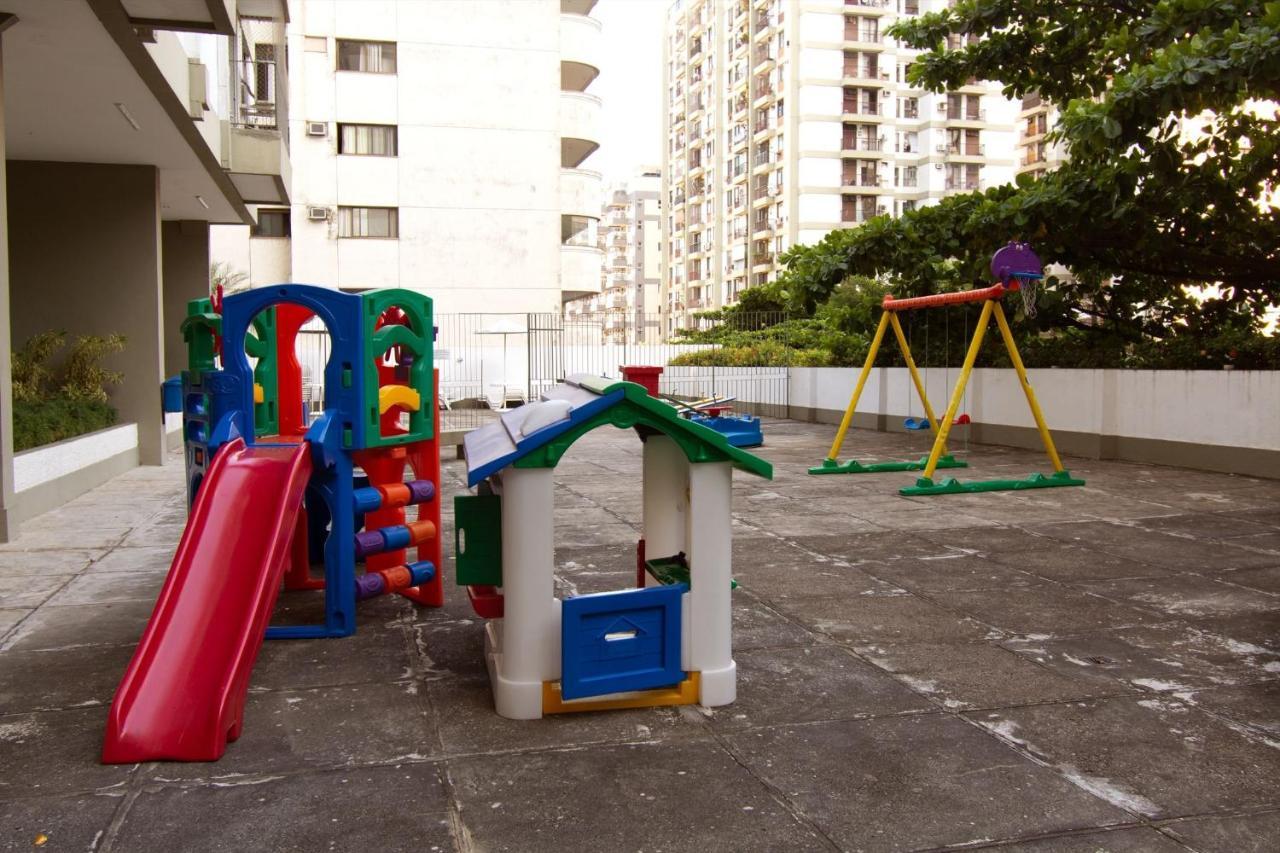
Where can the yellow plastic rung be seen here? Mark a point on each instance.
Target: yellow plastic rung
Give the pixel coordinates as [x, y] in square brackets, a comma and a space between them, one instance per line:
[684, 693]
[259, 396]
[398, 395]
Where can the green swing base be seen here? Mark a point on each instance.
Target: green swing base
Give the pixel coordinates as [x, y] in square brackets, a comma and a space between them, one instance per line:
[853, 466]
[952, 486]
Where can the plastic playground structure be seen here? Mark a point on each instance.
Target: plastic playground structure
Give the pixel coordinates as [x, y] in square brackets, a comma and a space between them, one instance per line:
[1016, 268]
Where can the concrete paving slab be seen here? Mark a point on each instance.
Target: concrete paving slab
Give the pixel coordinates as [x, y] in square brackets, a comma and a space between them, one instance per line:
[840, 687]
[100, 588]
[1219, 525]
[30, 590]
[1251, 833]
[57, 823]
[915, 782]
[1153, 757]
[1123, 840]
[1160, 658]
[652, 797]
[112, 623]
[879, 618]
[1073, 564]
[1255, 705]
[468, 724]
[61, 678]
[403, 808]
[10, 616]
[156, 558]
[951, 573]
[56, 752]
[756, 625]
[55, 538]
[1190, 596]
[1253, 631]
[978, 675]
[329, 727]
[1046, 610]
[64, 561]
[988, 540]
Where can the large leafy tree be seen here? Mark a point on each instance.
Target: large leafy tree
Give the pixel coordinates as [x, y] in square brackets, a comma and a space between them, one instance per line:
[1174, 147]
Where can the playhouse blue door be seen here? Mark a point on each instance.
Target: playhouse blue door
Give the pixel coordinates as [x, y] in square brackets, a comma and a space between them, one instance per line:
[619, 641]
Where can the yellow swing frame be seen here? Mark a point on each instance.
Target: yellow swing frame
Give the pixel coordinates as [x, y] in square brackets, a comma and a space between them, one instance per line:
[938, 456]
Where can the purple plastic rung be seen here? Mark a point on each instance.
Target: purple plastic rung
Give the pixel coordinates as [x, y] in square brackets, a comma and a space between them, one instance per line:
[370, 586]
[421, 490]
[368, 542]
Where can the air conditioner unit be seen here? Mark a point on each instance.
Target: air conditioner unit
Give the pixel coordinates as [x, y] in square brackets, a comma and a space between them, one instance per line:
[317, 128]
[318, 214]
[885, 93]
[942, 108]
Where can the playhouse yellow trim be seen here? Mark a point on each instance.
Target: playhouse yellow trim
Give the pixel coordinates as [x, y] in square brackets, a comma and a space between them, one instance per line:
[684, 693]
[398, 395]
[259, 396]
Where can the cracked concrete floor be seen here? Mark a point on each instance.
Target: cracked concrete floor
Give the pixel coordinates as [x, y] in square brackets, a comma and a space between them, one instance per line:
[1060, 670]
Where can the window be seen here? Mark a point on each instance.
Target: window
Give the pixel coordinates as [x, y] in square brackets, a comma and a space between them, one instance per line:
[368, 222]
[374, 139]
[271, 223]
[375, 57]
[315, 44]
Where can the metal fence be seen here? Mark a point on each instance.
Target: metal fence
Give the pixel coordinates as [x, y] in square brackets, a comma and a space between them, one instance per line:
[490, 362]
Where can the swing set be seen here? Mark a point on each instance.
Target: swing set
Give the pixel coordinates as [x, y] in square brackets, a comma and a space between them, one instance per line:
[1016, 269]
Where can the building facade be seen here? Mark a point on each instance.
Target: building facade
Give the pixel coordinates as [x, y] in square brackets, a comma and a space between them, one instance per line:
[1036, 154]
[126, 130]
[786, 119]
[437, 146]
[630, 239]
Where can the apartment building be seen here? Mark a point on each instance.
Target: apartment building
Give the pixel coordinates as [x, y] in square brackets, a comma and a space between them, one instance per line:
[1036, 154]
[786, 119]
[122, 143]
[437, 146]
[630, 239]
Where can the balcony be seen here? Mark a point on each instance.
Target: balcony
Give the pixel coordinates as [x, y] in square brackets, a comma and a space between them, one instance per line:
[256, 141]
[855, 145]
[579, 52]
[580, 192]
[579, 127]
[964, 115]
[963, 184]
[579, 271]
[871, 111]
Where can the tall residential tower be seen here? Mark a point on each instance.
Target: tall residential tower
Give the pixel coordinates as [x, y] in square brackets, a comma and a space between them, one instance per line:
[786, 119]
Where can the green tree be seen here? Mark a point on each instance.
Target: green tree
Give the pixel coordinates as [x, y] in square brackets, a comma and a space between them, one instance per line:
[1173, 144]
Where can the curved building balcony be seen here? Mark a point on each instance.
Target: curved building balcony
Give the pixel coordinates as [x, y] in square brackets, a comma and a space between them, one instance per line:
[579, 52]
[580, 192]
[577, 7]
[579, 271]
[579, 127]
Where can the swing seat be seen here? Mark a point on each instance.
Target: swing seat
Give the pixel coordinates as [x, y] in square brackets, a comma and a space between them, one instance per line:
[915, 423]
[961, 420]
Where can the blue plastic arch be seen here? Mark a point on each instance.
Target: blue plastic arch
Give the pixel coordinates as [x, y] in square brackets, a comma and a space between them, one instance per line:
[915, 423]
[343, 375]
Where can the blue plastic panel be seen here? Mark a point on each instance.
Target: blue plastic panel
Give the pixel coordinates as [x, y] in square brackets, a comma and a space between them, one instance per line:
[619, 641]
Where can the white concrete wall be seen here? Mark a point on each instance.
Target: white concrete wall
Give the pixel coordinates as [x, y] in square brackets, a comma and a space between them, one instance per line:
[1220, 408]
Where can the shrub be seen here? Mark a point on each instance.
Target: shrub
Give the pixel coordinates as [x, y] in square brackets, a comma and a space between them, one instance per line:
[53, 402]
[40, 422]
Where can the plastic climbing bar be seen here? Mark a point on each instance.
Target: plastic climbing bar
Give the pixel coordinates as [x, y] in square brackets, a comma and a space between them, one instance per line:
[397, 579]
[396, 495]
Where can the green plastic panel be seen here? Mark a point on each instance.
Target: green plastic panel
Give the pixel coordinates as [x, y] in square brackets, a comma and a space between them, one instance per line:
[418, 338]
[952, 486]
[198, 330]
[261, 344]
[477, 539]
[853, 466]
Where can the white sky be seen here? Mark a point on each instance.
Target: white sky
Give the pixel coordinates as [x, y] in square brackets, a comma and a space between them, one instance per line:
[630, 84]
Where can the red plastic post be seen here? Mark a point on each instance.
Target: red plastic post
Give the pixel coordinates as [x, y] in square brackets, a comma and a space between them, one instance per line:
[642, 375]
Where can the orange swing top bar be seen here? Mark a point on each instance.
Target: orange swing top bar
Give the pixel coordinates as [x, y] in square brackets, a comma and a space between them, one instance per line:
[995, 291]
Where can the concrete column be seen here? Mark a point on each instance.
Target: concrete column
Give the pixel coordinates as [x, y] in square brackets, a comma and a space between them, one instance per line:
[666, 498]
[531, 622]
[85, 257]
[7, 530]
[710, 573]
[185, 273]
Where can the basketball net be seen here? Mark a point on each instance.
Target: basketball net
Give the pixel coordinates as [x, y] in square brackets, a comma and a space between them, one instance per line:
[1030, 289]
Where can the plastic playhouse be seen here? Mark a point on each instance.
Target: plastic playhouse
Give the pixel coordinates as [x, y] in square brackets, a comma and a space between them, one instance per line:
[739, 428]
[665, 642]
[274, 493]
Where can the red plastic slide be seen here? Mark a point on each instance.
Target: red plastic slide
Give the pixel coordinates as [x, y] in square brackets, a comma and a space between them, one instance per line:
[182, 697]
